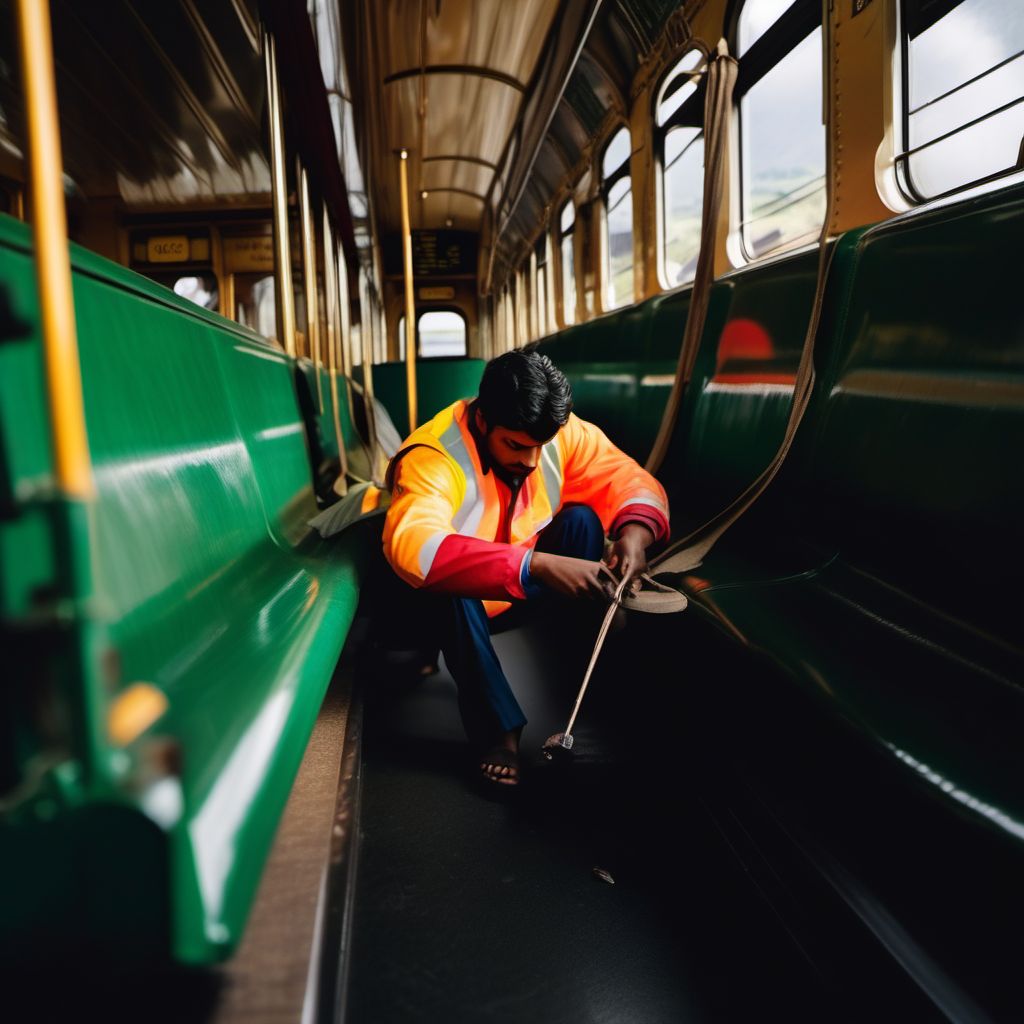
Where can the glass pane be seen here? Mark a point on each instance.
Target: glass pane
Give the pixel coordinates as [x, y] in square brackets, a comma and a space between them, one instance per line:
[567, 217]
[677, 89]
[987, 148]
[542, 300]
[617, 152]
[620, 244]
[756, 18]
[254, 303]
[568, 282]
[938, 62]
[683, 191]
[442, 333]
[783, 151]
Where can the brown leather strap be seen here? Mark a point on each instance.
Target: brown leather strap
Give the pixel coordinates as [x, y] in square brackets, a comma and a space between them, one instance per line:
[691, 550]
[721, 78]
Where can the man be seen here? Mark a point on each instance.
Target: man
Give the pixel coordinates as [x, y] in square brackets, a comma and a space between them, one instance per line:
[509, 498]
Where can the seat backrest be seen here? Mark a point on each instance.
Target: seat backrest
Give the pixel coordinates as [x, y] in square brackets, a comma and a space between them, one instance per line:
[439, 382]
[913, 462]
[197, 443]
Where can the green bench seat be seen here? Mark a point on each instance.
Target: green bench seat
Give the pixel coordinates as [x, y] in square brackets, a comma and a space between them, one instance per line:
[881, 572]
[208, 588]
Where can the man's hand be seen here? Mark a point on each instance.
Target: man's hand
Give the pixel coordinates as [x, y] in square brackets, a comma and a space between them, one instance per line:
[573, 577]
[629, 552]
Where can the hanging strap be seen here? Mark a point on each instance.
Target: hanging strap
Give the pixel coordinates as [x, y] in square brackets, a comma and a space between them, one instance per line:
[689, 552]
[721, 78]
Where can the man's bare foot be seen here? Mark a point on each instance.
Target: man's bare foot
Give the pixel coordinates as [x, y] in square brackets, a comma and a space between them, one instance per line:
[500, 765]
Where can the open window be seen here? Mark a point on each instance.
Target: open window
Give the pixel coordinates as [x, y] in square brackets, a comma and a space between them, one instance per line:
[782, 136]
[963, 94]
[679, 137]
[617, 191]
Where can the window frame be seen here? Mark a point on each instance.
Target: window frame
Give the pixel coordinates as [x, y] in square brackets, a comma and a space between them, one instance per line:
[681, 117]
[543, 256]
[624, 170]
[422, 312]
[562, 319]
[772, 47]
[901, 159]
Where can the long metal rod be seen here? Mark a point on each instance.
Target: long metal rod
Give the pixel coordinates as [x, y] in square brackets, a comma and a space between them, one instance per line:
[282, 255]
[53, 260]
[410, 303]
[309, 277]
[333, 346]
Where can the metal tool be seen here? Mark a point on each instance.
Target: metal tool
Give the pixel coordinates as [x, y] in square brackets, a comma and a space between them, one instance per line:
[561, 743]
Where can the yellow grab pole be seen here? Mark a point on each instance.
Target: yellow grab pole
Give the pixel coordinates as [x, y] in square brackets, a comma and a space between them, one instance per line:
[282, 254]
[410, 306]
[53, 261]
[312, 292]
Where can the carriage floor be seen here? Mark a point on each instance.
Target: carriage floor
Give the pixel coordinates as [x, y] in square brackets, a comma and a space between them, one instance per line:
[467, 909]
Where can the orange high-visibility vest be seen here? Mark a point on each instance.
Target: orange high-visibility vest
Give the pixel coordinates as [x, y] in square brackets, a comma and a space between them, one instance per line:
[440, 491]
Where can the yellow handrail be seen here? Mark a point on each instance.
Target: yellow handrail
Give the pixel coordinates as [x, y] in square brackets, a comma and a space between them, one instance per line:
[410, 306]
[310, 276]
[282, 254]
[53, 261]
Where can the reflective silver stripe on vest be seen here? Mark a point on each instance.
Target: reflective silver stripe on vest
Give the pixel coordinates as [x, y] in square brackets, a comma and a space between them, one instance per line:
[468, 515]
[551, 468]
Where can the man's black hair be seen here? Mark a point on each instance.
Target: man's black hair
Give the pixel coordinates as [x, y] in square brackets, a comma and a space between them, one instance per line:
[523, 390]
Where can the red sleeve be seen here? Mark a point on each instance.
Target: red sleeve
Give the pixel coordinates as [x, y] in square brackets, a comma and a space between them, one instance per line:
[470, 567]
[647, 515]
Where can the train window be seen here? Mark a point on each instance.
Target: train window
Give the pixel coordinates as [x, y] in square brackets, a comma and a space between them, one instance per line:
[566, 223]
[255, 303]
[679, 123]
[617, 189]
[523, 299]
[963, 103]
[440, 332]
[541, 290]
[782, 137]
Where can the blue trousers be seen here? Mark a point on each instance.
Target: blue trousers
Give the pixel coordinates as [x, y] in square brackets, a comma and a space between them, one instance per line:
[486, 701]
[459, 626]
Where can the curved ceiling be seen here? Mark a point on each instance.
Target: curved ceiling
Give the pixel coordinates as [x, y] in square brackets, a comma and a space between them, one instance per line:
[451, 77]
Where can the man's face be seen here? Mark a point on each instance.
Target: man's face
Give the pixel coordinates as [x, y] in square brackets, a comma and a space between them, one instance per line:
[515, 452]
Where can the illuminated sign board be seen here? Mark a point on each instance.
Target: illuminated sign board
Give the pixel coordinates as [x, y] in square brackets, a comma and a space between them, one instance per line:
[434, 254]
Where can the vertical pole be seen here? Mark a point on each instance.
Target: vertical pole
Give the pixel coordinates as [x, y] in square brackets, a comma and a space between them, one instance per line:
[410, 305]
[282, 256]
[333, 347]
[53, 261]
[312, 292]
[367, 317]
[75, 655]
[345, 355]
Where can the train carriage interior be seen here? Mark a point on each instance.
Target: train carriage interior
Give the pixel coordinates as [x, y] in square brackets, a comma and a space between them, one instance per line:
[248, 247]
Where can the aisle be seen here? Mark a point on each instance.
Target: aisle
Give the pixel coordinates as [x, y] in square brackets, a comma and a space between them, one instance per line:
[471, 910]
